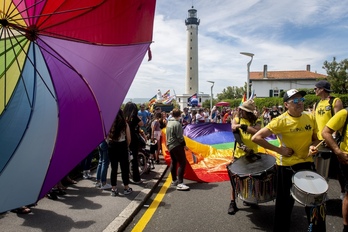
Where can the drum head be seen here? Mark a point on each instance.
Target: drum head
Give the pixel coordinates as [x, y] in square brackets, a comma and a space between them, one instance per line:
[246, 166]
[310, 182]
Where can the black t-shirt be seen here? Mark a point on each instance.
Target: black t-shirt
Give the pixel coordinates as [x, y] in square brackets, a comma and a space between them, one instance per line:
[274, 114]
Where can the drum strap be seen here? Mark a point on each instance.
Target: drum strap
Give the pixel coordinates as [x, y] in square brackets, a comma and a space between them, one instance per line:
[340, 136]
[238, 139]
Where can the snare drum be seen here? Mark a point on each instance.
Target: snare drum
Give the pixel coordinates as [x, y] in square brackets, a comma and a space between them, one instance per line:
[309, 188]
[254, 178]
[322, 161]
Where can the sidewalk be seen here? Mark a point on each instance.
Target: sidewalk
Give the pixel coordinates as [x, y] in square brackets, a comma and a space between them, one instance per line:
[86, 208]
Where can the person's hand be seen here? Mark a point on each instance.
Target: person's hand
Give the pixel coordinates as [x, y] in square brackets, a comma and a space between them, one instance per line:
[286, 151]
[313, 150]
[342, 157]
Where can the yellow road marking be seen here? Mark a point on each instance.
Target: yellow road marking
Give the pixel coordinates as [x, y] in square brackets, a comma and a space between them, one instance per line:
[153, 207]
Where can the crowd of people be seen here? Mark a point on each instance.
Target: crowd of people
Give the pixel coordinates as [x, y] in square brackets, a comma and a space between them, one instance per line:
[299, 133]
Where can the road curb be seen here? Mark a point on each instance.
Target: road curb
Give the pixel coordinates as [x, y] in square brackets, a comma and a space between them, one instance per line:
[127, 215]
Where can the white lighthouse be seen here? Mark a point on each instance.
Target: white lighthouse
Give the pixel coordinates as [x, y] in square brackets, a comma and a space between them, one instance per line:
[191, 87]
[192, 23]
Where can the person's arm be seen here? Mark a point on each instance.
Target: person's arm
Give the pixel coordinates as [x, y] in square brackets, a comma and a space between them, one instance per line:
[153, 130]
[140, 123]
[338, 105]
[234, 125]
[128, 135]
[330, 142]
[259, 138]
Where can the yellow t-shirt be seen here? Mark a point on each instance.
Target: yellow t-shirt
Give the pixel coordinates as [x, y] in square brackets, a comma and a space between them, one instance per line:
[246, 138]
[323, 114]
[336, 123]
[296, 133]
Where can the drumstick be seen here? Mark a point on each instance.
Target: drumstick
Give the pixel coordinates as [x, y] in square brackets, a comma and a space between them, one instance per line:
[316, 147]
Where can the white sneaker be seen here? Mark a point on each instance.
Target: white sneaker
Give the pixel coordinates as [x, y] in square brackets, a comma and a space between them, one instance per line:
[86, 175]
[182, 187]
[106, 186]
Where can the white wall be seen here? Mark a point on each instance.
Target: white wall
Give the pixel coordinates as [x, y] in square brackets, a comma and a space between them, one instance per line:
[262, 87]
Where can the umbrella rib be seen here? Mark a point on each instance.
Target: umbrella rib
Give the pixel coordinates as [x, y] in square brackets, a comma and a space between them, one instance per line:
[36, 71]
[26, 9]
[19, 67]
[63, 61]
[86, 9]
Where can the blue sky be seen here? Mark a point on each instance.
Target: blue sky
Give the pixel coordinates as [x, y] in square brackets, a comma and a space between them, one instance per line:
[285, 35]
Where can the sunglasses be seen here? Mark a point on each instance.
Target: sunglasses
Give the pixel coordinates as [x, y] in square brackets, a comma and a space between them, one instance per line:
[297, 100]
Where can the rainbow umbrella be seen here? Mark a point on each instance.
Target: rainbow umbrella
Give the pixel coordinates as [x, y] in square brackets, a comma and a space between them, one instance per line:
[65, 68]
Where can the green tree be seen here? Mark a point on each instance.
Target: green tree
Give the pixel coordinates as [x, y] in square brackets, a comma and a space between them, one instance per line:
[337, 75]
[231, 92]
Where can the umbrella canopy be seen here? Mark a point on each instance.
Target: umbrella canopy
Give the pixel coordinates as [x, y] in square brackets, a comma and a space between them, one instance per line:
[65, 68]
[222, 104]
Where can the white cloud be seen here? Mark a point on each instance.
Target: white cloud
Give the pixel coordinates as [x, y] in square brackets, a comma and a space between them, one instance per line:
[285, 35]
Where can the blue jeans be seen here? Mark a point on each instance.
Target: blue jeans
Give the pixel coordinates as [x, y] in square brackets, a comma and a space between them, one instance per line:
[103, 163]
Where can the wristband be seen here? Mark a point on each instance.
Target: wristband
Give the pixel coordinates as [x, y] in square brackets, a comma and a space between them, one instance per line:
[243, 127]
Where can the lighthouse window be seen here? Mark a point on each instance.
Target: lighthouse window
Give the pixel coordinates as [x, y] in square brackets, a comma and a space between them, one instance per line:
[190, 78]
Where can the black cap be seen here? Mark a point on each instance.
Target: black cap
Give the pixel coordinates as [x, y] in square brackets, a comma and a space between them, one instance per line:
[288, 94]
[324, 85]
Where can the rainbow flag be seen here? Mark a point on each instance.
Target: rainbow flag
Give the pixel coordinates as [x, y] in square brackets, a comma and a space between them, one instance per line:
[243, 99]
[152, 101]
[166, 95]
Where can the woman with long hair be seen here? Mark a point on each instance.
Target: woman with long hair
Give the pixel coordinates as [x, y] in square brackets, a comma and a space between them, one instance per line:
[130, 112]
[119, 139]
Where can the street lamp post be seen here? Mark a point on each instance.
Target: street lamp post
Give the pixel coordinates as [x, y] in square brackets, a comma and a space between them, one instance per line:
[211, 94]
[248, 65]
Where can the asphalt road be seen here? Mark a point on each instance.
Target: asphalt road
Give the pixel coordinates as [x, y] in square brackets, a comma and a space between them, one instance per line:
[204, 208]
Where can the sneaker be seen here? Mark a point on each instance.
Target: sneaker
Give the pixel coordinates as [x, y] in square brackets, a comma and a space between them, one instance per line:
[127, 191]
[233, 208]
[175, 182]
[106, 186]
[86, 175]
[182, 187]
[97, 184]
[114, 193]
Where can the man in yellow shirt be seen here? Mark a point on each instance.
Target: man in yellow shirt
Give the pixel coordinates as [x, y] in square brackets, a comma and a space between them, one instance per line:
[297, 132]
[336, 123]
[327, 107]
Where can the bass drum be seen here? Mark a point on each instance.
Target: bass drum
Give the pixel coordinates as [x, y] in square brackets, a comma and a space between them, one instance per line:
[309, 188]
[254, 177]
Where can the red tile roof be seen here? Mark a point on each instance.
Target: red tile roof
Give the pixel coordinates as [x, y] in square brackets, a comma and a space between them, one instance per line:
[283, 75]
